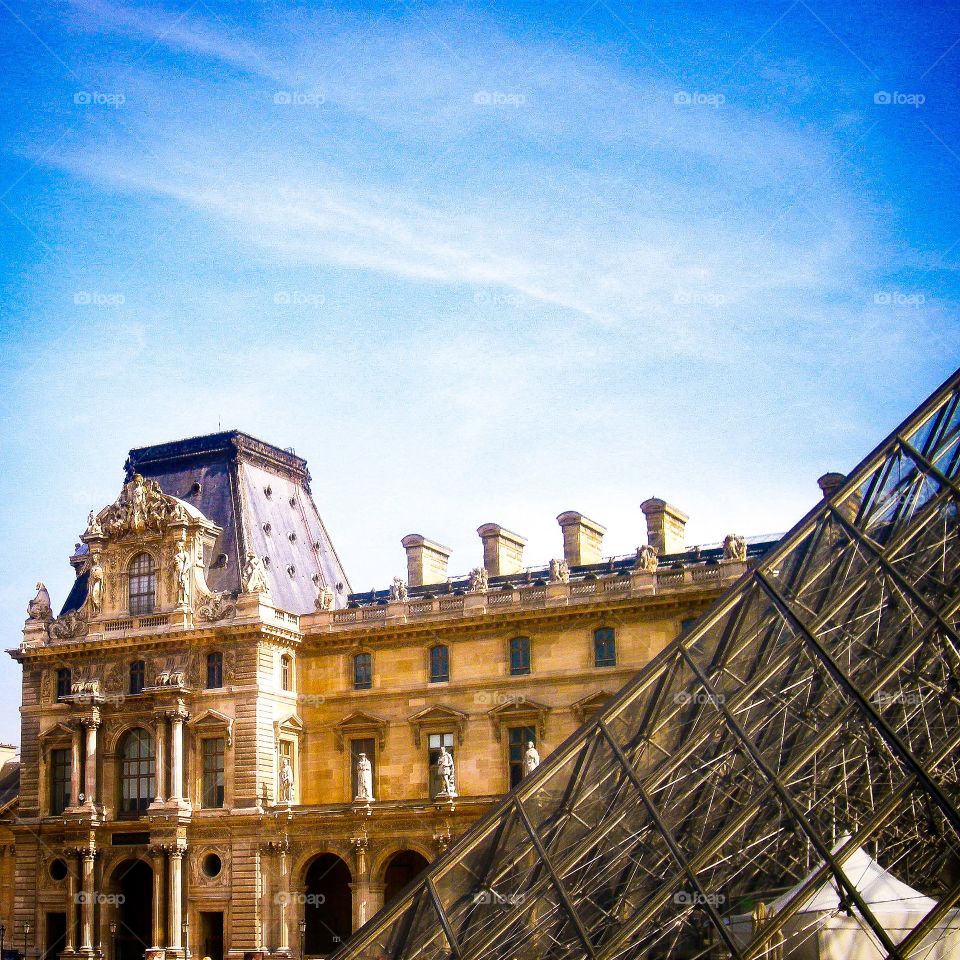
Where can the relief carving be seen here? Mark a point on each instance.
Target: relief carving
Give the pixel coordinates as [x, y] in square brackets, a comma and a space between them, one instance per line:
[142, 507]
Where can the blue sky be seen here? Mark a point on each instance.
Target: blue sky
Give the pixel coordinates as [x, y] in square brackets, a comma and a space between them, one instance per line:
[476, 263]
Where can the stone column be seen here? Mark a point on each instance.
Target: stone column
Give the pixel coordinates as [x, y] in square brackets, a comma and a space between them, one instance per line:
[71, 906]
[90, 770]
[75, 767]
[160, 753]
[175, 898]
[177, 718]
[87, 857]
[360, 888]
[157, 861]
[283, 909]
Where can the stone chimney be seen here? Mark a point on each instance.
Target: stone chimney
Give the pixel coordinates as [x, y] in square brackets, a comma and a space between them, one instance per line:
[830, 483]
[582, 538]
[666, 526]
[502, 550]
[426, 560]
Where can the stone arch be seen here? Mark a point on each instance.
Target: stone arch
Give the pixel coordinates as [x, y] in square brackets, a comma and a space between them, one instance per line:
[326, 900]
[399, 869]
[379, 863]
[129, 902]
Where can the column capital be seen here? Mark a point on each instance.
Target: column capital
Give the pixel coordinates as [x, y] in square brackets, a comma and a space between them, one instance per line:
[89, 723]
[180, 714]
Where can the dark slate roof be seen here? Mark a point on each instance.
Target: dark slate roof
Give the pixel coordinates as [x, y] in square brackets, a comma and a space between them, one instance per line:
[259, 495]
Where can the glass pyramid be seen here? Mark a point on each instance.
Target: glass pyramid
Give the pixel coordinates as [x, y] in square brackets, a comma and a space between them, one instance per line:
[723, 804]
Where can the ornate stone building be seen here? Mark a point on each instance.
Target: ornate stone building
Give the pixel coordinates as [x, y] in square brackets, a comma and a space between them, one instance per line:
[225, 751]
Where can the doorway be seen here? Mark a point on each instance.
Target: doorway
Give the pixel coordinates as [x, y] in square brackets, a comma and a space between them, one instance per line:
[211, 934]
[56, 935]
[328, 905]
[133, 883]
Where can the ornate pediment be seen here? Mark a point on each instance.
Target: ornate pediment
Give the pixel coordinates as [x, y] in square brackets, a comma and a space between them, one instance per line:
[435, 718]
[142, 507]
[584, 709]
[291, 724]
[213, 721]
[359, 722]
[517, 710]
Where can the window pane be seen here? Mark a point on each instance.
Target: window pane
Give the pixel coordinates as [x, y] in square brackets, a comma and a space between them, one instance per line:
[60, 786]
[439, 664]
[136, 772]
[285, 673]
[519, 655]
[143, 584]
[214, 670]
[604, 647]
[64, 682]
[362, 671]
[137, 669]
[213, 772]
[517, 740]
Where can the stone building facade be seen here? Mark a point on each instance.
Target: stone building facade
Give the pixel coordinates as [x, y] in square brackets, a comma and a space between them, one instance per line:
[193, 719]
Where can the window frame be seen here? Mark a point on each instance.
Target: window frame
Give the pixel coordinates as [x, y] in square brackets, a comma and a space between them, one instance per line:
[286, 673]
[434, 784]
[142, 602]
[433, 656]
[605, 640]
[522, 670]
[143, 774]
[218, 790]
[64, 783]
[362, 678]
[137, 677]
[372, 756]
[515, 764]
[215, 670]
[64, 683]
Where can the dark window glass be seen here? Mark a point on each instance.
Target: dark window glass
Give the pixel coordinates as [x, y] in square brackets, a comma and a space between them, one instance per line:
[137, 768]
[286, 673]
[604, 647]
[64, 682]
[214, 670]
[143, 584]
[362, 671]
[137, 670]
[685, 625]
[357, 747]
[519, 655]
[60, 763]
[436, 741]
[439, 663]
[517, 740]
[213, 771]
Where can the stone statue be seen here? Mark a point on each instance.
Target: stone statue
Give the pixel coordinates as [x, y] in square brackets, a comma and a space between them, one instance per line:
[479, 580]
[734, 547]
[254, 575]
[531, 759]
[559, 571]
[141, 506]
[324, 600]
[646, 559]
[39, 607]
[364, 780]
[95, 585]
[398, 590]
[181, 567]
[447, 773]
[93, 526]
[286, 780]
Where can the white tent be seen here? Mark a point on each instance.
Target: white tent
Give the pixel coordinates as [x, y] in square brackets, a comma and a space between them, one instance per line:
[821, 930]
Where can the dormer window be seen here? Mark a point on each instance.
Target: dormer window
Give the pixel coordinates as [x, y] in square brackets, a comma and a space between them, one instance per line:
[143, 585]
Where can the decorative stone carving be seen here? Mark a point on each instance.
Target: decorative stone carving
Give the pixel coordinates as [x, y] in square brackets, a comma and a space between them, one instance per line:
[324, 600]
[254, 575]
[734, 547]
[85, 686]
[93, 526]
[172, 674]
[646, 559]
[181, 568]
[398, 590]
[217, 606]
[559, 571]
[71, 626]
[447, 774]
[364, 780]
[95, 585]
[39, 607]
[142, 507]
[531, 759]
[286, 781]
[479, 580]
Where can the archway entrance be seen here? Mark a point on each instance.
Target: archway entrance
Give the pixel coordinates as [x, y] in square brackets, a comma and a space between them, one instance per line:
[132, 883]
[327, 906]
[402, 867]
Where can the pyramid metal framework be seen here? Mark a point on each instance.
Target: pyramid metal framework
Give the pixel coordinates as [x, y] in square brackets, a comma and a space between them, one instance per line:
[812, 713]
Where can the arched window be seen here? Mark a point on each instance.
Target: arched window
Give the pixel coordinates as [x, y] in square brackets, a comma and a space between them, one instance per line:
[519, 656]
[439, 663]
[137, 672]
[137, 770]
[64, 682]
[286, 673]
[362, 671]
[214, 670]
[604, 647]
[143, 584]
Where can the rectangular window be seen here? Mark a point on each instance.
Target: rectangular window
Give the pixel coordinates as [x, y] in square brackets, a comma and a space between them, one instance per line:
[214, 751]
[286, 681]
[517, 740]
[362, 671]
[64, 682]
[604, 647]
[60, 764]
[214, 670]
[436, 741]
[439, 664]
[519, 656]
[366, 746]
[137, 669]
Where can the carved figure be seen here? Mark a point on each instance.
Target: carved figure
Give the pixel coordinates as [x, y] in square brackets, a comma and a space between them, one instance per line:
[531, 759]
[479, 580]
[181, 567]
[217, 606]
[85, 686]
[734, 547]
[71, 626]
[559, 571]
[324, 600]
[141, 506]
[39, 607]
[398, 589]
[93, 526]
[286, 780]
[447, 773]
[95, 585]
[254, 575]
[364, 780]
[646, 559]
